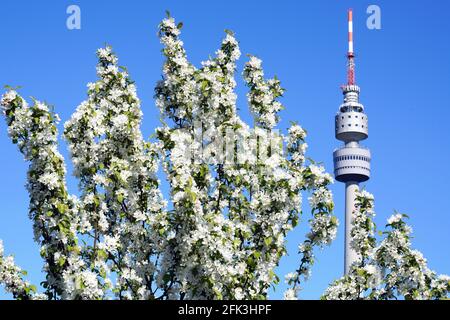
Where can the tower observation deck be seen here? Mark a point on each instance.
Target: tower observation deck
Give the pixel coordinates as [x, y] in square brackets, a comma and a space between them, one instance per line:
[351, 161]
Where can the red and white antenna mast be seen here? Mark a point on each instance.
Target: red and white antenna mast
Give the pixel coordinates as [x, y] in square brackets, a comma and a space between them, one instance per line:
[350, 54]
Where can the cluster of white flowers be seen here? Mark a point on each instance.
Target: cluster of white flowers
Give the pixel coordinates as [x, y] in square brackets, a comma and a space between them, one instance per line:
[121, 205]
[263, 94]
[290, 294]
[202, 240]
[51, 208]
[387, 271]
[11, 277]
[179, 74]
[395, 219]
[323, 224]
[296, 144]
[321, 196]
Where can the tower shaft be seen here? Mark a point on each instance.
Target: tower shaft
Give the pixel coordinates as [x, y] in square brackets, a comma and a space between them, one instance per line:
[351, 187]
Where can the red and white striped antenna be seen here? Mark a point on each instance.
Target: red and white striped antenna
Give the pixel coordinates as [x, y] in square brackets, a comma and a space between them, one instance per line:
[350, 54]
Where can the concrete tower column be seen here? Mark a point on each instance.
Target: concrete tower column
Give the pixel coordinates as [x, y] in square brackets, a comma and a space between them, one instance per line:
[351, 187]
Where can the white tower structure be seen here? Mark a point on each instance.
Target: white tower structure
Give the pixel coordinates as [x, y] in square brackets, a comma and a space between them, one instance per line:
[351, 161]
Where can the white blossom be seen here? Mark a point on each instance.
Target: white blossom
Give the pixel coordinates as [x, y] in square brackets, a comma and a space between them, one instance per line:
[394, 218]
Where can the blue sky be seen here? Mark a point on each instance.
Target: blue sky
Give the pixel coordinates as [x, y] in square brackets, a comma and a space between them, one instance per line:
[403, 70]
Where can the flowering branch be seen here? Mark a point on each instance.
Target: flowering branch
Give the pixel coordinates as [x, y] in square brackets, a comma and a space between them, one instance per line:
[392, 269]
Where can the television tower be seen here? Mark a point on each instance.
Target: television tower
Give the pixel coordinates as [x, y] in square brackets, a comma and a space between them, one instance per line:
[351, 161]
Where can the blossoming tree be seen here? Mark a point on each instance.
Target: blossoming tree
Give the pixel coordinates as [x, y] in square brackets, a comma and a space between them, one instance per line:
[235, 193]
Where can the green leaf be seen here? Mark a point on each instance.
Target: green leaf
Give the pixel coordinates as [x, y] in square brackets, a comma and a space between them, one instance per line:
[274, 276]
[79, 283]
[334, 220]
[62, 208]
[360, 272]
[102, 254]
[227, 31]
[251, 262]
[192, 196]
[204, 85]
[295, 221]
[61, 261]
